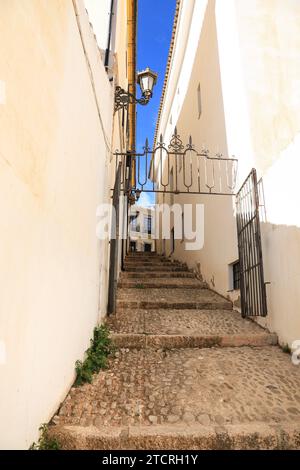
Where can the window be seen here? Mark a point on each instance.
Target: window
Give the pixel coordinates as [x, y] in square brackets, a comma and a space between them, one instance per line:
[236, 276]
[133, 223]
[147, 247]
[199, 100]
[135, 227]
[132, 247]
[148, 224]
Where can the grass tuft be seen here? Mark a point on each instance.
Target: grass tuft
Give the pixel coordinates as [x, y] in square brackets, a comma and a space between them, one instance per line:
[96, 356]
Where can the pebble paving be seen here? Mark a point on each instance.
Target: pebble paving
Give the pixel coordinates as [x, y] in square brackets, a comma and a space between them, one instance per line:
[208, 386]
[184, 387]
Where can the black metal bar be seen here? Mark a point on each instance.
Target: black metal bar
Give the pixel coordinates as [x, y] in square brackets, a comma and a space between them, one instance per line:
[114, 247]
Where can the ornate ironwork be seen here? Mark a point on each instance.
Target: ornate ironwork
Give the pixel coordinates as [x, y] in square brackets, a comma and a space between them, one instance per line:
[124, 98]
[180, 169]
[176, 143]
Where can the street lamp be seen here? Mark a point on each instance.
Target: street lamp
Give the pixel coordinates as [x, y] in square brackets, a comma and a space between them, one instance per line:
[146, 80]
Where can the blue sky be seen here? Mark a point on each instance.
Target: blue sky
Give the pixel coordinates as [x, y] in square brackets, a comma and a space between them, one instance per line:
[155, 22]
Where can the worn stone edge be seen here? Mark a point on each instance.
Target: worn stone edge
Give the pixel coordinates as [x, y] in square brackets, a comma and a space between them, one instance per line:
[236, 437]
[143, 341]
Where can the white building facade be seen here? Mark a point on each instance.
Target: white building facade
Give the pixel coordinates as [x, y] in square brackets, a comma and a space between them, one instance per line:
[233, 82]
[141, 229]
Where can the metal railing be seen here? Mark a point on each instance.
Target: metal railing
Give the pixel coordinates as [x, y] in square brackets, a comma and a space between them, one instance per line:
[180, 169]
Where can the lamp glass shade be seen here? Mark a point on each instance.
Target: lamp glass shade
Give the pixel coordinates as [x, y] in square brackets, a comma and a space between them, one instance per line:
[147, 80]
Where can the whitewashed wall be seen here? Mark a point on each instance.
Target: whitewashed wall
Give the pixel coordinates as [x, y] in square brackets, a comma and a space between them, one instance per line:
[246, 59]
[54, 162]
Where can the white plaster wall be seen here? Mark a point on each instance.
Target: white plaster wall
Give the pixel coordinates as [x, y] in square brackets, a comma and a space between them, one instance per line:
[247, 62]
[269, 38]
[54, 156]
[99, 16]
[210, 132]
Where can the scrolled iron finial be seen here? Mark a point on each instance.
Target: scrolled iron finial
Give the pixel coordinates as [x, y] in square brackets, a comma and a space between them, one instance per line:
[176, 143]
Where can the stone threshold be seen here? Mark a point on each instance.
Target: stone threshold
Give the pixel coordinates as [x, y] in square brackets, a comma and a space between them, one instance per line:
[205, 305]
[144, 341]
[254, 436]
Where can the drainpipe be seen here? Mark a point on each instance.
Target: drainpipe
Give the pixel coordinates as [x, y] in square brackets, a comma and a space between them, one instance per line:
[131, 64]
[106, 60]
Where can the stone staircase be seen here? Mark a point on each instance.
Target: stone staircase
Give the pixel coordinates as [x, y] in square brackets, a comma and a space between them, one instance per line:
[189, 373]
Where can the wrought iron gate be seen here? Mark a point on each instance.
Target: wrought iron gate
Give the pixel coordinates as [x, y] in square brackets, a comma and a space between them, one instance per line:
[181, 169]
[114, 245]
[252, 284]
[194, 171]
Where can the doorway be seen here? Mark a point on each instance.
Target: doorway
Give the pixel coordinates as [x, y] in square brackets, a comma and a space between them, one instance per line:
[132, 247]
[147, 248]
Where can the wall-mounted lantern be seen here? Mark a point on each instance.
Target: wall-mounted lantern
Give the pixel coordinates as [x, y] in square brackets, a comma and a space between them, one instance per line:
[146, 79]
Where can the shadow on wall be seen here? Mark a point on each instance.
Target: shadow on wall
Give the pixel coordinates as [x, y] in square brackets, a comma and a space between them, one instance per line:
[281, 252]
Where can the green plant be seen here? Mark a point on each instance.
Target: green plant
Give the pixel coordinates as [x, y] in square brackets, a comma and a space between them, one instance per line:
[286, 349]
[140, 286]
[96, 356]
[45, 441]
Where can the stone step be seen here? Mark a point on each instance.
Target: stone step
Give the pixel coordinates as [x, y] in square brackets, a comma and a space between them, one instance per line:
[175, 329]
[143, 255]
[159, 265]
[170, 299]
[232, 398]
[151, 259]
[151, 263]
[162, 283]
[158, 275]
[164, 268]
[145, 341]
[173, 437]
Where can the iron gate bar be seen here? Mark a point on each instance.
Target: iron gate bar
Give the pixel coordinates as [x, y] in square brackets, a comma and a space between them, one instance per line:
[253, 288]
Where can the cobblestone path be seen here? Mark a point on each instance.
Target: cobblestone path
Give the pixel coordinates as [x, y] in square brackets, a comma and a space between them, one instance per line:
[189, 373]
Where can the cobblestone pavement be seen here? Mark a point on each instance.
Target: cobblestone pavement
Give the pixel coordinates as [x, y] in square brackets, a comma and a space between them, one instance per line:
[174, 283]
[182, 322]
[169, 298]
[191, 395]
[209, 386]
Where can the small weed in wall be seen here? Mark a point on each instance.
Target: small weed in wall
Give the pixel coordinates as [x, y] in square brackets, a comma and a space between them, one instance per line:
[45, 441]
[286, 349]
[96, 356]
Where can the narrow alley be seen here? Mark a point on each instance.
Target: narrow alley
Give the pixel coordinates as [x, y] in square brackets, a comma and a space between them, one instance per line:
[150, 229]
